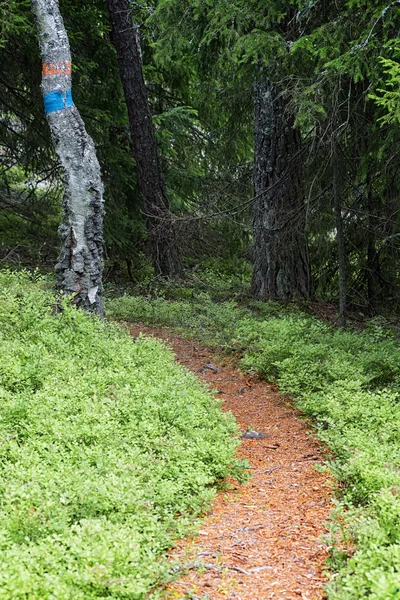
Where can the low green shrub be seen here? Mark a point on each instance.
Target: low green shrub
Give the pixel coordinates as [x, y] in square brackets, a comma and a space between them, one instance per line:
[349, 383]
[220, 280]
[109, 451]
[215, 323]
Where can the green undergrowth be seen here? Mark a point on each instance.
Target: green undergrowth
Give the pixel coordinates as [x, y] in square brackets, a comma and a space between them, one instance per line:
[220, 280]
[109, 451]
[349, 383]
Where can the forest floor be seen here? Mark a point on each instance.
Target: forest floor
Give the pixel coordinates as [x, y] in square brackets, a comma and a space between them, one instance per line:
[262, 539]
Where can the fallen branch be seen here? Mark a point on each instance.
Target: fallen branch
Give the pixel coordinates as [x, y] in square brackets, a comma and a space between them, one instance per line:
[201, 565]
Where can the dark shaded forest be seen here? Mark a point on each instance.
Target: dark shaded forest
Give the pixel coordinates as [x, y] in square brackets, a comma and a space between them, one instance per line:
[258, 138]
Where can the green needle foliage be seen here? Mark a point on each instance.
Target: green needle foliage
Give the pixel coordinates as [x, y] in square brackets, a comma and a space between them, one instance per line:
[109, 451]
[348, 383]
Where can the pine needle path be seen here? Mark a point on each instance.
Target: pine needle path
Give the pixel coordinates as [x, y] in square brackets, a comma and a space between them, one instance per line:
[263, 539]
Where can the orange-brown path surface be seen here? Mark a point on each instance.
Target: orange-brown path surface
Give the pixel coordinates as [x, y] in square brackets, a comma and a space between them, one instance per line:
[262, 539]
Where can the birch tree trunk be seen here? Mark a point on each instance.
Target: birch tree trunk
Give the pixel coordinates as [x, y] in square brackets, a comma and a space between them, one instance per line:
[281, 267]
[80, 266]
[126, 39]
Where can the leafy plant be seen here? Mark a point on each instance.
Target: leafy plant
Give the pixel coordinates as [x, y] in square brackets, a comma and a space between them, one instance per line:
[348, 383]
[109, 451]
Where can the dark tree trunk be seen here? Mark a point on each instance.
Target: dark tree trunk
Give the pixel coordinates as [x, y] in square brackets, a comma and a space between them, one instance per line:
[80, 266]
[126, 39]
[388, 256]
[373, 274]
[337, 203]
[281, 267]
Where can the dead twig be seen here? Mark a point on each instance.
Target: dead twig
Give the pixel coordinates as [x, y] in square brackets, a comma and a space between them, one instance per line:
[252, 528]
[201, 565]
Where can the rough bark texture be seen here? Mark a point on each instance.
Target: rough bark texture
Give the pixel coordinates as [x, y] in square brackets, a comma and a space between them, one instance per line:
[80, 267]
[126, 38]
[281, 266]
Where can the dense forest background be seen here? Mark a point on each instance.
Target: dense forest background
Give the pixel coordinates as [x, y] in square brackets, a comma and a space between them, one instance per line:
[277, 126]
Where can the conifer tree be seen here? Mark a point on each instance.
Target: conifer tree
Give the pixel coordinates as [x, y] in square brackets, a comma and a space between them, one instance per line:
[281, 267]
[126, 37]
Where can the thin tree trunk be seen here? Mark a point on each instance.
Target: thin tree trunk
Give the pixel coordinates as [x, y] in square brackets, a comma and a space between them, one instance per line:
[372, 254]
[340, 239]
[80, 267]
[126, 39]
[281, 267]
[388, 257]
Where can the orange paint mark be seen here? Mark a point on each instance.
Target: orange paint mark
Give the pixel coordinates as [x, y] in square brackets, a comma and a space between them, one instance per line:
[60, 68]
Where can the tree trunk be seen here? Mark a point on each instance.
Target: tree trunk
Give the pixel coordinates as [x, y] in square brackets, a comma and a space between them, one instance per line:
[126, 38]
[340, 239]
[80, 267]
[372, 254]
[281, 266]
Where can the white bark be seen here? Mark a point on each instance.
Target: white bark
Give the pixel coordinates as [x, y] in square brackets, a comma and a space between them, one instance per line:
[80, 267]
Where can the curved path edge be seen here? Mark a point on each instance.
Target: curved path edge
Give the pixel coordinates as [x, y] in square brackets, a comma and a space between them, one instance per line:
[263, 539]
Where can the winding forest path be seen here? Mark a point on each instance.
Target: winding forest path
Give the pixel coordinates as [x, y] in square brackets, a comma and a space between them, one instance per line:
[268, 531]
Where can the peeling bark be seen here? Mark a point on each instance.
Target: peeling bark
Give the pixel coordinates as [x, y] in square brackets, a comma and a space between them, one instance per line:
[281, 267]
[80, 266]
[126, 39]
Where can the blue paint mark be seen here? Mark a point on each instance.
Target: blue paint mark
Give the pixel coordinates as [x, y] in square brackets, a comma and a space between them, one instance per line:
[57, 100]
